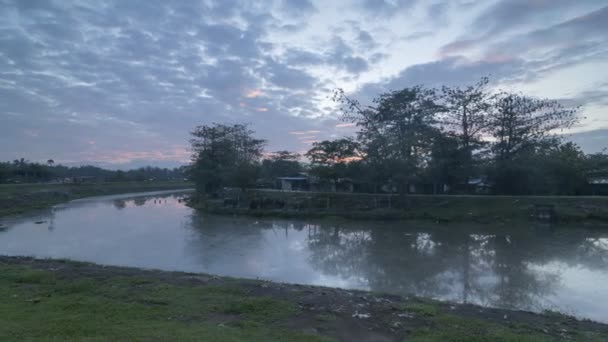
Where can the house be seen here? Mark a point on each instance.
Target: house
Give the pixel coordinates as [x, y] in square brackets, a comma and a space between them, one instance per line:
[299, 183]
[598, 186]
[345, 185]
[480, 185]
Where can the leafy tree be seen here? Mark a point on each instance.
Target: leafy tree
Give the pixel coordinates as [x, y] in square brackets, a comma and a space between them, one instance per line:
[565, 169]
[329, 159]
[520, 126]
[447, 164]
[4, 172]
[465, 117]
[396, 132]
[519, 122]
[224, 155]
[597, 165]
[281, 164]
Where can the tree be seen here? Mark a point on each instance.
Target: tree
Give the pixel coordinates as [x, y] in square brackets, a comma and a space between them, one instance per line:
[466, 117]
[520, 126]
[224, 155]
[518, 122]
[447, 162]
[329, 159]
[396, 133]
[565, 168]
[597, 165]
[281, 164]
[4, 171]
[50, 162]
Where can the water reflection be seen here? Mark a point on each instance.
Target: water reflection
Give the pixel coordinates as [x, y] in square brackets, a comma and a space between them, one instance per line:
[494, 269]
[531, 268]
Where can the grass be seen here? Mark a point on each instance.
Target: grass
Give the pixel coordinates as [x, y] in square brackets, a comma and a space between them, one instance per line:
[19, 198]
[453, 328]
[67, 301]
[37, 305]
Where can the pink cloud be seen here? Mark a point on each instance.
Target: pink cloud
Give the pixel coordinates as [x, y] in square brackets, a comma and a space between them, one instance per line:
[457, 47]
[343, 125]
[250, 94]
[175, 153]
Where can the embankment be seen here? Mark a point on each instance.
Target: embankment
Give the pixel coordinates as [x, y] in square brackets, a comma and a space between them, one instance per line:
[63, 300]
[18, 198]
[451, 208]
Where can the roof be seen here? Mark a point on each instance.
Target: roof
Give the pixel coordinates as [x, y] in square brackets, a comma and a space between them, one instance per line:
[293, 178]
[599, 180]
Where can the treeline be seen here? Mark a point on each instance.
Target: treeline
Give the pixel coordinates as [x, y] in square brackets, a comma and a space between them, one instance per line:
[23, 171]
[420, 139]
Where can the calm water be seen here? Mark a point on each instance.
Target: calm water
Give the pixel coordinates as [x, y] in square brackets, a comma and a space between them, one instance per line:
[531, 268]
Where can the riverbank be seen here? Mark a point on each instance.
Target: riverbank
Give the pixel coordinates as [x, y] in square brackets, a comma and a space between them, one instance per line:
[64, 300]
[19, 198]
[438, 208]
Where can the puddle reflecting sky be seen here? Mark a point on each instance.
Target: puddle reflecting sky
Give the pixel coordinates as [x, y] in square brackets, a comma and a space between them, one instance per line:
[531, 268]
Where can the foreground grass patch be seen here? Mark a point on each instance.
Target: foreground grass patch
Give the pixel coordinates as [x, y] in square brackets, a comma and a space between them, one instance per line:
[52, 300]
[42, 306]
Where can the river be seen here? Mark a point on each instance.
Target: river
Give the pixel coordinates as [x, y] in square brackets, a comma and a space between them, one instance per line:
[529, 267]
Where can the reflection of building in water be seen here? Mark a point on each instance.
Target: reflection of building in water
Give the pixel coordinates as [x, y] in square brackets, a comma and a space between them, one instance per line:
[52, 219]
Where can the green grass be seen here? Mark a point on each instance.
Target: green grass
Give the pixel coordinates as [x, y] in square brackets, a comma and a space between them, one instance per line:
[457, 329]
[422, 308]
[37, 305]
[93, 303]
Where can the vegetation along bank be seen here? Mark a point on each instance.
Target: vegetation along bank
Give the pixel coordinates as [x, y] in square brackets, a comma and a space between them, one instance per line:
[442, 208]
[19, 198]
[63, 300]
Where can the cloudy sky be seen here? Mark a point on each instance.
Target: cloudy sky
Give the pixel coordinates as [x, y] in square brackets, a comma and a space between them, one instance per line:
[121, 83]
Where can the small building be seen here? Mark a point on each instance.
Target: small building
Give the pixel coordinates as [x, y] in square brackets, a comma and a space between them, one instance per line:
[345, 185]
[480, 185]
[299, 183]
[598, 186]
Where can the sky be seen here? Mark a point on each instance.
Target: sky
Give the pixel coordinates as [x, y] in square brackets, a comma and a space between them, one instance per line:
[121, 84]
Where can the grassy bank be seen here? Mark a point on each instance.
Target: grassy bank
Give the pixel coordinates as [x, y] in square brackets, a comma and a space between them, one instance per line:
[61, 300]
[18, 198]
[450, 208]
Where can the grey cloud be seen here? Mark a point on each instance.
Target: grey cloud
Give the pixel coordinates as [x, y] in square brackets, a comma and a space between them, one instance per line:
[594, 141]
[546, 49]
[506, 15]
[139, 80]
[597, 95]
[298, 7]
[523, 17]
[287, 77]
[450, 71]
[366, 39]
[340, 55]
[386, 7]
[112, 78]
[454, 71]
[418, 35]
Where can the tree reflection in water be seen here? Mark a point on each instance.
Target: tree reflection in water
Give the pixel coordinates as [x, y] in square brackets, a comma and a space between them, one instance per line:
[486, 267]
[508, 267]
